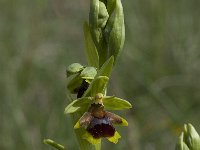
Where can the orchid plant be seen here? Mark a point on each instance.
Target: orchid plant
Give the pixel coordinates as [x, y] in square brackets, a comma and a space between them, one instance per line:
[89, 105]
[87, 84]
[104, 39]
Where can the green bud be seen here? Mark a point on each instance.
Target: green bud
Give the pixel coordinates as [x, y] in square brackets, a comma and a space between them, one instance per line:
[181, 144]
[189, 139]
[115, 30]
[88, 73]
[107, 28]
[73, 69]
[103, 15]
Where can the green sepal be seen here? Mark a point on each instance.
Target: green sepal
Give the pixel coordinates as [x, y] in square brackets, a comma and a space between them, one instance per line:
[87, 136]
[74, 83]
[90, 48]
[115, 103]
[98, 85]
[88, 73]
[115, 30]
[181, 144]
[80, 104]
[114, 139]
[74, 68]
[53, 144]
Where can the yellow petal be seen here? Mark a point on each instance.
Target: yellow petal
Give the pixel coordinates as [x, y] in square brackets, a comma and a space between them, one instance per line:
[90, 139]
[77, 125]
[115, 138]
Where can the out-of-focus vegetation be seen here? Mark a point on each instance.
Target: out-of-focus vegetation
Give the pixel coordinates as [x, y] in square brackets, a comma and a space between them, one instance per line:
[158, 71]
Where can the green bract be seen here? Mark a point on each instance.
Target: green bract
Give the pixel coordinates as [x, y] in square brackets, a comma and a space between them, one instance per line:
[90, 48]
[98, 85]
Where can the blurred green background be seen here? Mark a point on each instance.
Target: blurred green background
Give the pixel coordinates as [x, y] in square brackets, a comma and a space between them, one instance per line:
[158, 71]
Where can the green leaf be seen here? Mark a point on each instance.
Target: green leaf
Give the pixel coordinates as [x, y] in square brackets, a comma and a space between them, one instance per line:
[78, 105]
[73, 69]
[106, 69]
[90, 48]
[53, 144]
[115, 30]
[115, 103]
[88, 73]
[98, 85]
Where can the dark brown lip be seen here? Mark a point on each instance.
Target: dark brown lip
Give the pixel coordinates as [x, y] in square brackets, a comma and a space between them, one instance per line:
[99, 128]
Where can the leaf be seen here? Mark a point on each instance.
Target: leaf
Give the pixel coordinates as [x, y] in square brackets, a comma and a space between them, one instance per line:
[98, 85]
[78, 105]
[90, 48]
[88, 73]
[53, 144]
[106, 69]
[115, 30]
[73, 69]
[115, 103]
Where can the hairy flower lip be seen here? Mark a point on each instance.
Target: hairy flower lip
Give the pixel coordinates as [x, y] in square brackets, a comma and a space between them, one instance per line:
[101, 128]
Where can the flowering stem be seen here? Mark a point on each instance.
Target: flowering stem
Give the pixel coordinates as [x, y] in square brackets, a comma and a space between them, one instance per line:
[104, 39]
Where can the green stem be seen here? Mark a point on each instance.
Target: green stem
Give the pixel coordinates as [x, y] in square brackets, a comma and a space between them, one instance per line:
[98, 146]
